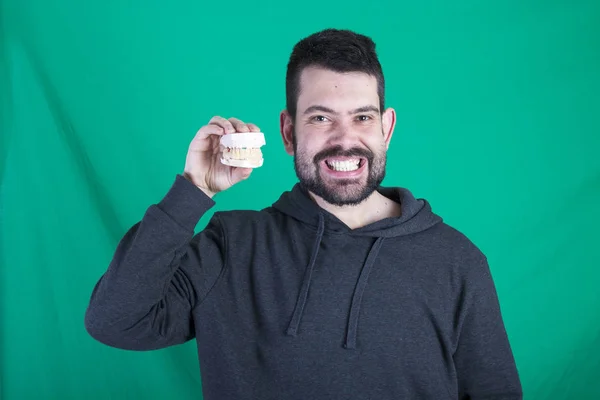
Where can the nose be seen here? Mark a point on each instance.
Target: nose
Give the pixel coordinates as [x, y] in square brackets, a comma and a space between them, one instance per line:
[342, 134]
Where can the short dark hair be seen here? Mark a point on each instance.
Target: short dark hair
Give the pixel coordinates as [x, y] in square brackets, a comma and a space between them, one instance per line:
[339, 50]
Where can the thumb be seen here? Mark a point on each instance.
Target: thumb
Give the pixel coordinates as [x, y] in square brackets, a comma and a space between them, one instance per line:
[239, 174]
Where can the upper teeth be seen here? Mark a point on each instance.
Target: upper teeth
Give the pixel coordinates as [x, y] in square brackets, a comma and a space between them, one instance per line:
[349, 165]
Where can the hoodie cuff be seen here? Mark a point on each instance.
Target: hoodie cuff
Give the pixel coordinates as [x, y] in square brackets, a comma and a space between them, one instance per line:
[185, 203]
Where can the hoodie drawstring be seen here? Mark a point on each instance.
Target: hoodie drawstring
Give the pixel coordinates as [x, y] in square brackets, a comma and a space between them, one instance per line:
[358, 291]
[358, 294]
[295, 322]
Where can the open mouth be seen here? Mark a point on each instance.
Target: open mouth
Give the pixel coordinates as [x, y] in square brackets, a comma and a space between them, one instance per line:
[345, 164]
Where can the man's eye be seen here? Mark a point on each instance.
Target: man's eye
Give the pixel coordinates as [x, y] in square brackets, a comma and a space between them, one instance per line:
[319, 118]
[364, 117]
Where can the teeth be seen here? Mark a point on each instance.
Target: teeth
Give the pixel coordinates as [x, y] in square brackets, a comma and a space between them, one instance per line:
[242, 153]
[350, 165]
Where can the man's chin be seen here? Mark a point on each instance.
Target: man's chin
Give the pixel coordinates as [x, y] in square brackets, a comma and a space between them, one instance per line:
[345, 199]
[340, 193]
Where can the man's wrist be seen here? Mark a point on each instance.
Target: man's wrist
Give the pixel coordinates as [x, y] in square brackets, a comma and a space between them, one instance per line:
[206, 191]
[184, 203]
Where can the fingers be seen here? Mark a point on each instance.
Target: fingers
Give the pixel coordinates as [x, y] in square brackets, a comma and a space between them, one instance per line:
[233, 125]
[208, 130]
[239, 174]
[225, 124]
[239, 125]
[253, 128]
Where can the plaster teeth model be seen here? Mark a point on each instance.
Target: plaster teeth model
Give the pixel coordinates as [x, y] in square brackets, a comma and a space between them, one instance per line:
[243, 149]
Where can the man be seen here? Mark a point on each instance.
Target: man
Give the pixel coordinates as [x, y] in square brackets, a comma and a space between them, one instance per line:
[342, 289]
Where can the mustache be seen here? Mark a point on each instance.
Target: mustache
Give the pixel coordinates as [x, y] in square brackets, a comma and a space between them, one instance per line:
[339, 151]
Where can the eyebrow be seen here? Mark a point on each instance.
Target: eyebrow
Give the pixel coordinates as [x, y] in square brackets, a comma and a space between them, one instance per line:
[329, 110]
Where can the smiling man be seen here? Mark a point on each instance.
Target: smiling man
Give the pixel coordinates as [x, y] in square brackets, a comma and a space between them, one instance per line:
[342, 289]
[336, 128]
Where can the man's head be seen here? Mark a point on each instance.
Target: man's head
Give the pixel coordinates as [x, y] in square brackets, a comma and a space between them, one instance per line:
[334, 123]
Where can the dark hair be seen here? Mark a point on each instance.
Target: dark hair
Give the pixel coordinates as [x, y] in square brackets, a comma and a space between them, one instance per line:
[339, 50]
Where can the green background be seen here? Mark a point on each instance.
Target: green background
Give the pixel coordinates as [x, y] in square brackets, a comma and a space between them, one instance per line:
[498, 126]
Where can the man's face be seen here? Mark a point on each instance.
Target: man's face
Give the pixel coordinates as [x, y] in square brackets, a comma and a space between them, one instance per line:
[340, 138]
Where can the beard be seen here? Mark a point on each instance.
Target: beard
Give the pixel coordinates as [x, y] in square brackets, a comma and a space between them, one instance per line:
[340, 192]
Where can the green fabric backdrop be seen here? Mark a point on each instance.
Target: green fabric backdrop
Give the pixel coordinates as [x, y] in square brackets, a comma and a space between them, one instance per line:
[498, 126]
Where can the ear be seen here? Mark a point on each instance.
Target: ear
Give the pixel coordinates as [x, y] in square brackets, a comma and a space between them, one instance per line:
[286, 128]
[388, 121]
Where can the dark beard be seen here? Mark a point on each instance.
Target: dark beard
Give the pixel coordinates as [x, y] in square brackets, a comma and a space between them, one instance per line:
[346, 192]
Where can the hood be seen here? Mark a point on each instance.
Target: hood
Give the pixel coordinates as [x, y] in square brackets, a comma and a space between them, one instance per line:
[416, 216]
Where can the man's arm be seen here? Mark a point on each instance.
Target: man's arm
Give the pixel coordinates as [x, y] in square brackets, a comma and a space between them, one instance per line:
[159, 273]
[484, 361]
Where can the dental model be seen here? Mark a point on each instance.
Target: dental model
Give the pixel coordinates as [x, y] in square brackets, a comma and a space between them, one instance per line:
[243, 149]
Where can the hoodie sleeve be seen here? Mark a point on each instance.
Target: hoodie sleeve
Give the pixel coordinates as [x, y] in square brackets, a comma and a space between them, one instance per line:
[484, 361]
[159, 272]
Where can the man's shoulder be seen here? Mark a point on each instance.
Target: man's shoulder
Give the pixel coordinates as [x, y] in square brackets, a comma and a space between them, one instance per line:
[254, 214]
[241, 218]
[450, 232]
[454, 243]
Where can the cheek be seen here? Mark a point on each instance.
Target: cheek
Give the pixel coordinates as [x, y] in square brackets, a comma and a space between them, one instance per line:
[378, 148]
[303, 152]
[309, 146]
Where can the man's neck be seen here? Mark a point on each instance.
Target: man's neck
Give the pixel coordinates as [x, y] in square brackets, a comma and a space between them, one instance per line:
[376, 207]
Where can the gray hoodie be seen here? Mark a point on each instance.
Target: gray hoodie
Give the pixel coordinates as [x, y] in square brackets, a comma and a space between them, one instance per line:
[290, 303]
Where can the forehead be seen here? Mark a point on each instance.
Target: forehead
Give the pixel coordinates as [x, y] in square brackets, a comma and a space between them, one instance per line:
[337, 90]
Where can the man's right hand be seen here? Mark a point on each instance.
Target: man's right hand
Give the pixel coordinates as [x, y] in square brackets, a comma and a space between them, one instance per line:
[203, 162]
